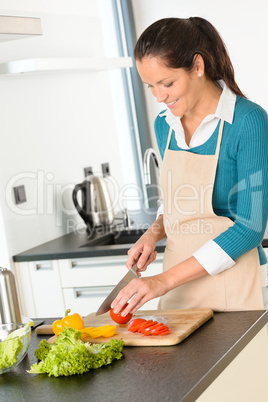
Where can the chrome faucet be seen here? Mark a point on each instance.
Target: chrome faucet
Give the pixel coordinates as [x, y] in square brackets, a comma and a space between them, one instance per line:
[147, 156]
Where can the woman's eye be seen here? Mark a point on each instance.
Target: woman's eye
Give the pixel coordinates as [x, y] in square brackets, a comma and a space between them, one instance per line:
[168, 85]
[149, 86]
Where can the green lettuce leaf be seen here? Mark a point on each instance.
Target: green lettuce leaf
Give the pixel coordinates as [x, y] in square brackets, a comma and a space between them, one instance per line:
[69, 355]
[43, 349]
[9, 350]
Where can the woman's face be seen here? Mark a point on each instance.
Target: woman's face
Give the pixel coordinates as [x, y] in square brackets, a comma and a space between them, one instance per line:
[177, 88]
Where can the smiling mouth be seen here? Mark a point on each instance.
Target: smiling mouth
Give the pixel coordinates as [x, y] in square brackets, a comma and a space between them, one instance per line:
[172, 104]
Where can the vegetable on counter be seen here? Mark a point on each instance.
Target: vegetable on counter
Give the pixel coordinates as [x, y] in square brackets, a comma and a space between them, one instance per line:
[74, 321]
[118, 318]
[10, 350]
[148, 327]
[106, 331]
[68, 355]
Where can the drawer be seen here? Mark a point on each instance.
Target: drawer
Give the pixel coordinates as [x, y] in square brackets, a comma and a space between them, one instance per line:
[105, 271]
[88, 272]
[85, 300]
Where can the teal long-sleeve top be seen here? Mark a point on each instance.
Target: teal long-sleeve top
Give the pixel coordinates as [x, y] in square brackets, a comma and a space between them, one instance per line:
[241, 183]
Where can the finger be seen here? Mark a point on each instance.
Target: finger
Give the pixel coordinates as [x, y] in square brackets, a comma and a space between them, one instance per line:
[124, 296]
[139, 304]
[151, 258]
[136, 302]
[143, 258]
[133, 258]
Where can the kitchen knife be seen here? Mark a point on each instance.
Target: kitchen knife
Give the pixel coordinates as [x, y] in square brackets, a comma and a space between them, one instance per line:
[106, 305]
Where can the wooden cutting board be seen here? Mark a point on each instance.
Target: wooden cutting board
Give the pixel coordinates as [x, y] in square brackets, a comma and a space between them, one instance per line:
[182, 323]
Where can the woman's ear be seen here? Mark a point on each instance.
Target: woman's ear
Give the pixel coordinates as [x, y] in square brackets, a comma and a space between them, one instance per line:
[199, 65]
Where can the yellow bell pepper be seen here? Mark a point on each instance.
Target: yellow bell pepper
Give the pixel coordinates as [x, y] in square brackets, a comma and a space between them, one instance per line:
[74, 321]
[106, 331]
[85, 332]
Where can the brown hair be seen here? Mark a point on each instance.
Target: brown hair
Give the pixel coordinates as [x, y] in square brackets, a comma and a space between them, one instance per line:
[178, 41]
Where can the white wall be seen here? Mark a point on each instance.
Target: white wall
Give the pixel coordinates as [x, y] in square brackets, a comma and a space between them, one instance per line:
[52, 125]
[243, 27]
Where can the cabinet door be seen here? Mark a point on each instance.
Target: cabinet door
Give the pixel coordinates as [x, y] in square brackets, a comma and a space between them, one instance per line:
[85, 300]
[46, 289]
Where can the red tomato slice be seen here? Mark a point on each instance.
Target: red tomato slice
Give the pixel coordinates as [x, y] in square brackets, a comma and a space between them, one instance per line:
[147, 324]
[135, 324]
[153, 329]
[156, 329]
[118, 318]
[164, 333]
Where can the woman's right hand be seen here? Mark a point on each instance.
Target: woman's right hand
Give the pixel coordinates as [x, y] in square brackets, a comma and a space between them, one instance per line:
[143, 253]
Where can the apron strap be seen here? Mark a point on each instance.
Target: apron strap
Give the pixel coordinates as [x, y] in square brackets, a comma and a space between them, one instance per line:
[169, 137]
[219, 139]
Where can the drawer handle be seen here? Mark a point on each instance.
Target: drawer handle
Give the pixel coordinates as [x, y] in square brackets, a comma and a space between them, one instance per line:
[45, 266]
[103, 263]
[96, 264]
[96, 291]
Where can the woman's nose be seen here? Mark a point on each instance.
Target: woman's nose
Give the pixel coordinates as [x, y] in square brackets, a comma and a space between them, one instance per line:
[160, 95]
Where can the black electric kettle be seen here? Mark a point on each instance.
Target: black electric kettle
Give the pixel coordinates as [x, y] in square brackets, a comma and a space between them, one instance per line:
[96, 209]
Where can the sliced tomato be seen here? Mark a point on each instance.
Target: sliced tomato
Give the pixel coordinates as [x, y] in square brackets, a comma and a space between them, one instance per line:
[148, 327]
[156, 331]
[135, 324]
[164, 333]
[147, 324]
[153, 330]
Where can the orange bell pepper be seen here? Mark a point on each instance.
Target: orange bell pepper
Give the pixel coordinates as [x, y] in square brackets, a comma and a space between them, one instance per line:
[74, 321]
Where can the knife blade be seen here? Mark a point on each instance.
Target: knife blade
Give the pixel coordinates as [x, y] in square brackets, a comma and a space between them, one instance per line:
[106, 305]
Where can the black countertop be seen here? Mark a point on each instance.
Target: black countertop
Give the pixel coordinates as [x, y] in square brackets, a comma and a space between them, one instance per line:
[72, 245]
[170, 373]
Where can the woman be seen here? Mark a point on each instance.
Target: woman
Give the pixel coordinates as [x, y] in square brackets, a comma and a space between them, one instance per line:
[214, 145]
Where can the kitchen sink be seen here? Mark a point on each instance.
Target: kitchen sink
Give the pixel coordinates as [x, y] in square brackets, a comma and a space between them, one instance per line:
[116, 238]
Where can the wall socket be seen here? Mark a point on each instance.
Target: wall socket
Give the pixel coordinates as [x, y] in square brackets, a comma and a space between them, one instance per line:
[88, 171]
[20, 194]
[105, 169]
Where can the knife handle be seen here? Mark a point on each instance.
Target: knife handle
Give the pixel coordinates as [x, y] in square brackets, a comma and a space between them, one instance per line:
[44, 330]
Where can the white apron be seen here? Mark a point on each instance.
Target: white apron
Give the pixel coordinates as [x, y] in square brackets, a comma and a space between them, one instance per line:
[187, 181]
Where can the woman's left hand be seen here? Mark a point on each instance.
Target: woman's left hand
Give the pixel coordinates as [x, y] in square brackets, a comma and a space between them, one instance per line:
[139, 291]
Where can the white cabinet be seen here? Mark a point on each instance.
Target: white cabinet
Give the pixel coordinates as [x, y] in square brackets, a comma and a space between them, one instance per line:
[39, 289]
[48, 288]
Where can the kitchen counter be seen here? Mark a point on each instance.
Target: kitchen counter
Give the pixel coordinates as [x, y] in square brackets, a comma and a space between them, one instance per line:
[72, 245]
[171, 373]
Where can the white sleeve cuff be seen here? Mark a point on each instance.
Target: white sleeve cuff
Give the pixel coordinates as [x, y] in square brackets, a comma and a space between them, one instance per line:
[213, 258]
[160, 210]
